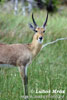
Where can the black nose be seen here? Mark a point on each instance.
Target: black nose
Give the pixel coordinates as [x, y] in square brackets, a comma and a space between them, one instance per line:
[40, 38]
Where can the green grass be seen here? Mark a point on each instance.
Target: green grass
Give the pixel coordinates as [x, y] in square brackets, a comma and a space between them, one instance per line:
[49, 69]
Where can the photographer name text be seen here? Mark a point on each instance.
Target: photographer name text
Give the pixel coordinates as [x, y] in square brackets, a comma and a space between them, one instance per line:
[50, 91]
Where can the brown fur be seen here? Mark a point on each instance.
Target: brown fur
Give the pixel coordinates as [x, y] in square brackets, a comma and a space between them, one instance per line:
[20, 54]
[14, 54]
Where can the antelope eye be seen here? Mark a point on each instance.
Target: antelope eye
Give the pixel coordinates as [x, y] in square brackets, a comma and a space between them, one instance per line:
[36, 31]
[43, 31]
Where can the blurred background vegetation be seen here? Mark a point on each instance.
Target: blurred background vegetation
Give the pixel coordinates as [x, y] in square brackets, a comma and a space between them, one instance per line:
[49, 69]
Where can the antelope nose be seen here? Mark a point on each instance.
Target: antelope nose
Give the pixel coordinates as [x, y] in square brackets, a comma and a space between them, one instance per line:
[40, 38]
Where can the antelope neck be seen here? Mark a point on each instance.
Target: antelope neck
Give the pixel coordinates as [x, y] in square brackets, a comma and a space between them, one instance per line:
[34, 48]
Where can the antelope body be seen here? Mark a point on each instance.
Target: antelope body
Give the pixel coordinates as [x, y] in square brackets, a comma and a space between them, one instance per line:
[14, 54]
[22, 54]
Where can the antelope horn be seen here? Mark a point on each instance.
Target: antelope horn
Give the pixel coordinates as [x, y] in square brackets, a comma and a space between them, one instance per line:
[45, 21]
[34, 21]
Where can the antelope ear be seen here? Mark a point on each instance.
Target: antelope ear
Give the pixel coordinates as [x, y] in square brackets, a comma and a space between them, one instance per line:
[32, 27]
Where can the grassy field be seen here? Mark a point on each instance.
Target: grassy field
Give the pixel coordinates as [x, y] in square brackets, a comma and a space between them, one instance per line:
[48, 70]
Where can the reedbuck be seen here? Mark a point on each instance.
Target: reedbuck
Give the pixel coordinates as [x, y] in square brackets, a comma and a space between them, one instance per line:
[21, 55]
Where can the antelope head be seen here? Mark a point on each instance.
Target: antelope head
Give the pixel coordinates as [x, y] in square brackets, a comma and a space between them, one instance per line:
[39, 31]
